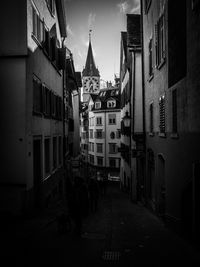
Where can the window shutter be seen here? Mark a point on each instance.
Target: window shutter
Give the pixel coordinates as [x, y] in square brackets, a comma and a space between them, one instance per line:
[53, 48]
[44, 99]
[61, 58]
[162, 114]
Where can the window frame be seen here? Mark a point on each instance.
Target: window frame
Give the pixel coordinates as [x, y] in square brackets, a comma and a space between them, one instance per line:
[112, 121]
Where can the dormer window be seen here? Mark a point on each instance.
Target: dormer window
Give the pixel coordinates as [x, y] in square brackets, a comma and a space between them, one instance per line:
[103, 93]
[112, 92]
[97, 105]
[111, 104]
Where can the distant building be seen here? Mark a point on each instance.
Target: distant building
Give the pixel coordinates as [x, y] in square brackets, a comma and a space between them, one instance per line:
[31, 72]
[132, 138]
[90, 75]
[104, 131]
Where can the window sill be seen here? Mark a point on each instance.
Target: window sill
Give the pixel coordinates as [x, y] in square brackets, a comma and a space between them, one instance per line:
[150, 78]
[174, 135]
[163, 135]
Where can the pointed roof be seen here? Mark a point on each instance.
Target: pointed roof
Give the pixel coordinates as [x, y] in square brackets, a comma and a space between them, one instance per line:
[90, 68]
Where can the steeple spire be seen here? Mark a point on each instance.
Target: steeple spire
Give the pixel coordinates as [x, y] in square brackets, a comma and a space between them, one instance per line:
[90, 67]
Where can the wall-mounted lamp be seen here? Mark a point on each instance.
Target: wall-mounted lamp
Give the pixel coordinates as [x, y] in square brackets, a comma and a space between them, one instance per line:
[127, 120]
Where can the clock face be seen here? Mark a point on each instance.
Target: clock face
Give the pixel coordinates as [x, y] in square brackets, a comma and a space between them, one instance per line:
[91, 84]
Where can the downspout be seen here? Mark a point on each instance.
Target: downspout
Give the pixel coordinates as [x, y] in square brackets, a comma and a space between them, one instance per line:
[64, 139]
[143, 102]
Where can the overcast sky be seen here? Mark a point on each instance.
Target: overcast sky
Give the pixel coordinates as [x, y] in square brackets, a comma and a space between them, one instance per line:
[106, 18]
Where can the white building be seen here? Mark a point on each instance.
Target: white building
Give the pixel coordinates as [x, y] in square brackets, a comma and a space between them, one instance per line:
[104, 130]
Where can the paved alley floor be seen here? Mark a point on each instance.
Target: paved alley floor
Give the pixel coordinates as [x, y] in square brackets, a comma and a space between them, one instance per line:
[120, 233]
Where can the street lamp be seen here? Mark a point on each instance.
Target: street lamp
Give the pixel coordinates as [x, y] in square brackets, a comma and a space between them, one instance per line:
[127, 120]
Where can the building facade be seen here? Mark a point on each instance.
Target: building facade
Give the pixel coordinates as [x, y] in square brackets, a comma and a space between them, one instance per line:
[104, 131]
[132, 138]
[32, 81]
[171, 81]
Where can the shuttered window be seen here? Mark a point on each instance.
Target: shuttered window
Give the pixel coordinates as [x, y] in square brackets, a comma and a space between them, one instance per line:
[160, 45]
[174, 111]
[150, 58]
[151, 118]
[162, 114]
[111, 118]
[38, 25]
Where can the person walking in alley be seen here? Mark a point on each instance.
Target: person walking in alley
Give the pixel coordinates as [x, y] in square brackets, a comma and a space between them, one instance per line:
[93, 188]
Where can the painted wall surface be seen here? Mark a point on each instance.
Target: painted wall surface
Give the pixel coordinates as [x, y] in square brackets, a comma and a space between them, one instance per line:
[13, 33]
[12, 117]
[179, 151]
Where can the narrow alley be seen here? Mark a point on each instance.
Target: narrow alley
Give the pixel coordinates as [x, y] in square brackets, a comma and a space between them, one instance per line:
[120, 233]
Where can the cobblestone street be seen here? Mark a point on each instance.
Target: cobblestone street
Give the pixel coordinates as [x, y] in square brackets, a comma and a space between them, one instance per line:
[120, 233]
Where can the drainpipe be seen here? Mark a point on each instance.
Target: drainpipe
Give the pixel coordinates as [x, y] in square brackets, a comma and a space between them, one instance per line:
[64, 140]
[143, 102]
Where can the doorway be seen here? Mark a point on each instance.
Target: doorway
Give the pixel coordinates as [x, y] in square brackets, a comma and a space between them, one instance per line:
[161, 189]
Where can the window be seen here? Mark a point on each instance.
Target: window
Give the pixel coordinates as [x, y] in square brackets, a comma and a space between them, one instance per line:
[47, 101]
[112, 148]
[97, 105]
[53, 105]
[151, 118]
[111, 104]
[37, 96]
[99, 148]
[100, 161]
[99, 133]
[38, 24]
[47, 155]
[162, 114]
[174, 111]
[91, 134]
[54, 152]
[60, 150]
[118, 134]
[112, 135]
[112, 92]
[91, 158]
[111, 118]
[103, 93]
[160, 41]
[98, 121]
[150, 58]
[112, 162]
[92, 147]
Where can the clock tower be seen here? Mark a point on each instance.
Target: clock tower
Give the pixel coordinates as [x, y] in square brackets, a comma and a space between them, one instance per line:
[90, 74]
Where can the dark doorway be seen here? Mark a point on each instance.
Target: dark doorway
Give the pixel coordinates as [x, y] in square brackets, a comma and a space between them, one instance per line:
[161, 192]
[37, 171]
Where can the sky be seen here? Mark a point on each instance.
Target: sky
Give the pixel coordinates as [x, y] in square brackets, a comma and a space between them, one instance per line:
[106, 19]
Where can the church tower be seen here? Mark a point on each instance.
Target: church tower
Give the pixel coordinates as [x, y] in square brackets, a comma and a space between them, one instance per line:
[90, 74]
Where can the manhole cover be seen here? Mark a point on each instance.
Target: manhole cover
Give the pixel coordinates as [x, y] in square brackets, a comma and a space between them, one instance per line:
[111, 255]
